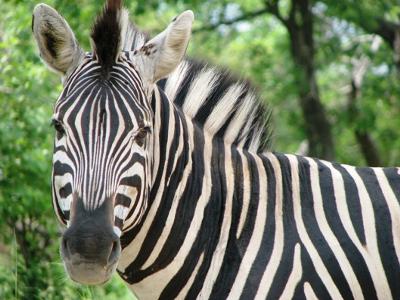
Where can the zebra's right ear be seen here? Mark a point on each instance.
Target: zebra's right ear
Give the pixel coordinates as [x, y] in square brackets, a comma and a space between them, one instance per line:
[162, 54]
[57, 44]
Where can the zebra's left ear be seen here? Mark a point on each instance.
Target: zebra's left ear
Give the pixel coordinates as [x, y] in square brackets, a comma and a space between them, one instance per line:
[162, 54]
[57, 44]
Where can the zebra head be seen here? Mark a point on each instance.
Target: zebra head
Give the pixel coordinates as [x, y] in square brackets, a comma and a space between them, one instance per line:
[104, 130]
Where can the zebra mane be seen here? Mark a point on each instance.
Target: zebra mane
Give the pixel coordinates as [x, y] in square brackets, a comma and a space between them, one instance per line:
[214, 99]
[222, 104]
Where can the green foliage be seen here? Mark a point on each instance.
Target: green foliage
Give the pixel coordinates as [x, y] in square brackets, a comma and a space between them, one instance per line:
[258, 48]
[30, 267]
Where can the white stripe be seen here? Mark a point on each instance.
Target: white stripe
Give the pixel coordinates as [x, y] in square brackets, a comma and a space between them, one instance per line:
[134, 247]
[246, 193]
[200, 88]
[65, 203]
[279, 239]
[257, 235]
[117, 231]
[121, 211]
[309, 292]
[295, 275]
[174, 81]
[223, 110]
[241, 118]
[183, 293]
[343, 210]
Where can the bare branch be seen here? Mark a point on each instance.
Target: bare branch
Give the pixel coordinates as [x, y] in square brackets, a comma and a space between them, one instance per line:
[273, 8]
[243, 17]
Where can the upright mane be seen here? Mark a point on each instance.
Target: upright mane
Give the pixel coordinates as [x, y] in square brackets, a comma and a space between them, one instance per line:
[108, 34]
[220, 103]
[217, 101]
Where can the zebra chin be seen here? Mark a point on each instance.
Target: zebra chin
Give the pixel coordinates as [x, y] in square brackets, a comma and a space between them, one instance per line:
[90, 261]
[89, 273]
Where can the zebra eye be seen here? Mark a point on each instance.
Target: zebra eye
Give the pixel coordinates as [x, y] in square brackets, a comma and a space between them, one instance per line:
[141, 134]
[58, 127]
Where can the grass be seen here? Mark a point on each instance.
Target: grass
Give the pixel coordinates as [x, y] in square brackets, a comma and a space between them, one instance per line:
[58, 285]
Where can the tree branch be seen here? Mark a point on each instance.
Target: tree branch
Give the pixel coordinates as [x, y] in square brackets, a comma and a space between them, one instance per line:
[273, 8]
[243, 17]
[388, 30]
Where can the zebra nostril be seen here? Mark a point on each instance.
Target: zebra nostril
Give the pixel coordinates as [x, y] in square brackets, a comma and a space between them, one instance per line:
[114, 247]
[64, 247]
[115, 251]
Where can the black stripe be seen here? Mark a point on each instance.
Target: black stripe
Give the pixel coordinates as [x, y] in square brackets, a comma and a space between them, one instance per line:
[393, 177]
[235, 247]
[353, 203]
[267, 244]
[61, 169]
[224, 81]
[66, 190]
[163, 211]
[384, 229]
[289, 230]
[311, 275]
[163, 110]
[354, 257]
[191, 74]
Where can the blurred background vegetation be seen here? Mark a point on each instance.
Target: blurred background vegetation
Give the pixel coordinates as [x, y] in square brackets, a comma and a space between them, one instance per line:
[330, 70]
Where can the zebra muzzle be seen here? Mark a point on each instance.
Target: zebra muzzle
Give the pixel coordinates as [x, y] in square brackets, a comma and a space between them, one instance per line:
[90, 248]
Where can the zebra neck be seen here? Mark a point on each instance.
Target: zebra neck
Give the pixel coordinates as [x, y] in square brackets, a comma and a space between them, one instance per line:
[187, 196]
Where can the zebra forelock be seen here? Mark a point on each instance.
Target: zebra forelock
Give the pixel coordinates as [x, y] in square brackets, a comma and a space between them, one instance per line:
[108, 34]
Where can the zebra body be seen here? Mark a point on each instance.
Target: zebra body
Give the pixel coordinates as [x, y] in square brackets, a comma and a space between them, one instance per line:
[169, 181]
[257, 226]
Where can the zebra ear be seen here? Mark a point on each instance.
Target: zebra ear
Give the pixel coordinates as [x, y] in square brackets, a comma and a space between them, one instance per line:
[162, 54]
[57, 44]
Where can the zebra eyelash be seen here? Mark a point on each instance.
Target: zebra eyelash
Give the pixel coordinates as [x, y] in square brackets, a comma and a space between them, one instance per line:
[140, 134]
[58, 126]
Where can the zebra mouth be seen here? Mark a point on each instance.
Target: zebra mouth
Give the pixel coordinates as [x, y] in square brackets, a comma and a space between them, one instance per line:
[89, 273]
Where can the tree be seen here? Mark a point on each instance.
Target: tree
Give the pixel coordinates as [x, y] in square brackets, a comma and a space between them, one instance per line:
[300, 26]
[300, 19]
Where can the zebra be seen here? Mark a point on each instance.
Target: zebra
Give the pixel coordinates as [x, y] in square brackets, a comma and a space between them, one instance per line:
[163, 173]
